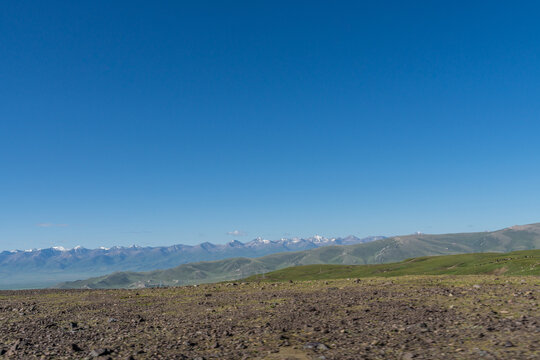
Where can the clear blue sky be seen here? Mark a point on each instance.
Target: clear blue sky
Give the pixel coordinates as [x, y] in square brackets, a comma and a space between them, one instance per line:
[177, 122]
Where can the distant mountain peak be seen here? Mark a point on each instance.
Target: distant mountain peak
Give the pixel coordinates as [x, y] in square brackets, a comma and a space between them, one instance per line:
[235, 243]
[258, 241]
[63, 264]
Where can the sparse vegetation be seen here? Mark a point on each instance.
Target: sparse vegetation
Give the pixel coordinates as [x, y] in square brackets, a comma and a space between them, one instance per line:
[514, 263]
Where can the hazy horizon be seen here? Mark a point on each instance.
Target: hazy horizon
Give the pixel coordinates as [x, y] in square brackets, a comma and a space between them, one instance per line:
[246, 238]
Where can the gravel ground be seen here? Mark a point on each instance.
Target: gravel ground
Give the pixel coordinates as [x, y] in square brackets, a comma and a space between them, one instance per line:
[468, 317]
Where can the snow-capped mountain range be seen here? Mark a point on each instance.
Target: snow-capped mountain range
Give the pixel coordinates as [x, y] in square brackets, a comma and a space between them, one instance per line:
[60, 264]
[288, 243]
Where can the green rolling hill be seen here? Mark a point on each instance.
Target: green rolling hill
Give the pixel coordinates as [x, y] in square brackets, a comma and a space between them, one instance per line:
[387, 250]
[525, 262]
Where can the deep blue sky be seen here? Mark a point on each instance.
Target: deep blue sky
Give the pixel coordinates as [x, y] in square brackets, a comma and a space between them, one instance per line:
[160, 123]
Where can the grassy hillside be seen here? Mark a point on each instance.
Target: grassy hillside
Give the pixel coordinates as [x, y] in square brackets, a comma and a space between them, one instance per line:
[387, 250]
[514, 263]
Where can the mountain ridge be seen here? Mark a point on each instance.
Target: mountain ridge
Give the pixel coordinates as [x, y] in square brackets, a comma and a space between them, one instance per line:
[45, 267]
[392, 249]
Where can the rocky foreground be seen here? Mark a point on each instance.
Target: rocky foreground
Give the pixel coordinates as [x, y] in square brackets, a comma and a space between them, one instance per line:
[393, 318]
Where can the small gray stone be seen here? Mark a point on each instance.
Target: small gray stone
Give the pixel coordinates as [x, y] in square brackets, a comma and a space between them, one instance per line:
[315, 345]
[99, 352]
[407, 356]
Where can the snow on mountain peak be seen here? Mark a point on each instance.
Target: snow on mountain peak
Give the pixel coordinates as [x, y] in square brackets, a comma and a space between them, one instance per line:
[259, 241]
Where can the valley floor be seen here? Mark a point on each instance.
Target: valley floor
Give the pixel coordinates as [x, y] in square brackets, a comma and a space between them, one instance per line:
[412, 317]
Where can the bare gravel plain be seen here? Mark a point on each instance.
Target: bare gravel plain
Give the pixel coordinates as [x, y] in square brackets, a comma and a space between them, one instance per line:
[443, 317]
